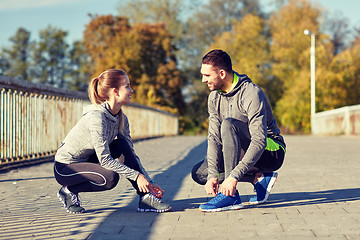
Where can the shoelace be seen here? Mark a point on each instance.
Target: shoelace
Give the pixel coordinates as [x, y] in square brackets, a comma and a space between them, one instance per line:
[154, 198]
[75, 199]
[218, 197]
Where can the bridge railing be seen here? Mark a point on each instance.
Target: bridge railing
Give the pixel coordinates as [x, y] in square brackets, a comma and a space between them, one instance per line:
[35, 118]
[345, 120]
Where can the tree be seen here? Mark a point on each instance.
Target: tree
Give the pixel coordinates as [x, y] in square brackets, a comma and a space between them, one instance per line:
[50, 57]
[168, 12]
[173, 14]
[15, 60]
[289, 51]
[346, 69]
[218, 16]
[49, 60]
[288, 41]
[4, 65]
[158, 63]
[338, 27]
[196, 118]
[144, 51]
[212, 19]
[78, 73]
[248, 46]
[100, 38]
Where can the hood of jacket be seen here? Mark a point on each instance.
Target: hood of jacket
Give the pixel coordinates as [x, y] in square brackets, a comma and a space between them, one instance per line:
[242, 79]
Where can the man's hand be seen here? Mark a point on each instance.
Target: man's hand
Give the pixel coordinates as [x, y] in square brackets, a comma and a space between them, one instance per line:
[212, 186]
[228, 186]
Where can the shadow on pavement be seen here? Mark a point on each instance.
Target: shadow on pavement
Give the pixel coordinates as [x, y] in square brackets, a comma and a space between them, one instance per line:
[25, 179]
[130, 223]
[279, 200]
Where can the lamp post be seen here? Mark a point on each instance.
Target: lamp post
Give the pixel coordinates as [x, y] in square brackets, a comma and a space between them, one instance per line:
[312, 77]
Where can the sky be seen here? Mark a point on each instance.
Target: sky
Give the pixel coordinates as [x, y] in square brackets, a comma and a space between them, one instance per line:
[72, 15]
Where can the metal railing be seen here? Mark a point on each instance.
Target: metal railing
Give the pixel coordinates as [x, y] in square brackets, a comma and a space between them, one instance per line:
[146, 122]
[35, 118]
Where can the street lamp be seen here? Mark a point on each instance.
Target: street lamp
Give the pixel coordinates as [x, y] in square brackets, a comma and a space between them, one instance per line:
[312, 77]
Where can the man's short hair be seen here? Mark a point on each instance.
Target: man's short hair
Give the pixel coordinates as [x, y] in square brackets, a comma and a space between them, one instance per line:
[218, 59]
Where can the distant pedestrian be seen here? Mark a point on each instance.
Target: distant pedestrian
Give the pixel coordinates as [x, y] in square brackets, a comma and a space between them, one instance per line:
[99, 148]
[244, 141]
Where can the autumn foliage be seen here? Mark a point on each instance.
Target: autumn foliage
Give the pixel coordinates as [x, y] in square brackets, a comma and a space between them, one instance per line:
[145, 51]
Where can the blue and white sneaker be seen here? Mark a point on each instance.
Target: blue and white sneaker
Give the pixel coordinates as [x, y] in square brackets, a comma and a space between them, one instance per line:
[263, 188]
[222, 203]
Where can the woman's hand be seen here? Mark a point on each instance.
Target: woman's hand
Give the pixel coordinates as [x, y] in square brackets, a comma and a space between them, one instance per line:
[156, 190]
[143, 183]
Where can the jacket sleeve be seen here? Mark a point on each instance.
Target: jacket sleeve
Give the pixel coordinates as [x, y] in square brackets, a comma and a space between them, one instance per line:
[125, 134]
[254, 105]
[214, 141]
[97, 129]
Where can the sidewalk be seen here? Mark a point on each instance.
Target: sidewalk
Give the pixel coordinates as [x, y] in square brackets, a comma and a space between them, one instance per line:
[316, 196]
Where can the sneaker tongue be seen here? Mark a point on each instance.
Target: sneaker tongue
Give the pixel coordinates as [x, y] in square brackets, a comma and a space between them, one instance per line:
[148, 195]
[261, 178]
[145, 196]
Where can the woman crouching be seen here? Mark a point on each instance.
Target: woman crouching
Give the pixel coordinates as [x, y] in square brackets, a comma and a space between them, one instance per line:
[99, 148]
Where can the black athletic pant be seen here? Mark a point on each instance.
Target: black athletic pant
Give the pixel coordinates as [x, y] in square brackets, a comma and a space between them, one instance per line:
[91, 176]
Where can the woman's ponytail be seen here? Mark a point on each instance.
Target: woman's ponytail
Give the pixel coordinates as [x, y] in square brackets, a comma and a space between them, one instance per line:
[100, 86]
[92, 91]
[96, 94]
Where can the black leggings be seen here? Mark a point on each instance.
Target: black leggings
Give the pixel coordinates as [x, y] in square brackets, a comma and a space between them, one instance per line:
[91, 176]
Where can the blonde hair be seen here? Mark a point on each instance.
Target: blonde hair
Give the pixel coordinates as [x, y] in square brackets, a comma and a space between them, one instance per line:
[100, 87]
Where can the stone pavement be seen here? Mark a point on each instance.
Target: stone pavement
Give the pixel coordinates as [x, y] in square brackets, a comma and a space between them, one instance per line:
[316, 196]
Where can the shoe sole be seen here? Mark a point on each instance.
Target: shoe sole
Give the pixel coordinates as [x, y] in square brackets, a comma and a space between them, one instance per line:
[154, 210]
[75, 212]
[268, 189]
[67, 210]
[228, 208]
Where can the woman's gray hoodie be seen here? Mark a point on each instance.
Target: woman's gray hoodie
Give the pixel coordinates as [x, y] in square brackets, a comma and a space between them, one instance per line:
[248, 103]
[94, 132]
